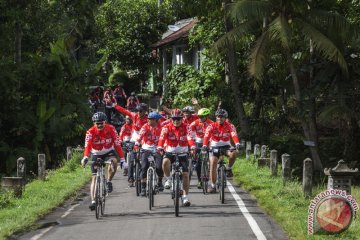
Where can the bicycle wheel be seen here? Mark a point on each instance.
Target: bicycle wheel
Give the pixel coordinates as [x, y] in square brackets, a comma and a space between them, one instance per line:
[177, 193]
[222, 184]
[137, 178]
[204, 176]
[150, 187]
[103, 195]
[190, 168]
[97, 197]
[155, 187]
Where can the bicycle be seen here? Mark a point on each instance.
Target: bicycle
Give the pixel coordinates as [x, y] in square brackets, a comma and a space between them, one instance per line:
[221, 171]
[137, 173]
[128, 147]
[100, 185]
[176, 174]
[204, 174]
[152, 179]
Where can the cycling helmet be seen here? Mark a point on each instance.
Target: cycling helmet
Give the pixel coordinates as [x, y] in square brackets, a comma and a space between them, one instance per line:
[203, 112]
[176, 113]
[127, 117]
[189, 109]
[99, 117]
[154, 115]
[221, 112]
[142, 107]
[132, 94]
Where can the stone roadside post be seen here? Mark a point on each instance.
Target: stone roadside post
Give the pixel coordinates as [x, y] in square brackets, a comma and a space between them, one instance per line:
[307, 177]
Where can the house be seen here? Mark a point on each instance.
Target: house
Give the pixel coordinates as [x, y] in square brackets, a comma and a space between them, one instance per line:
[174, 46]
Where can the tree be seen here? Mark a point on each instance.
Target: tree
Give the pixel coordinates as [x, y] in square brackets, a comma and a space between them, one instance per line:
[283, 24]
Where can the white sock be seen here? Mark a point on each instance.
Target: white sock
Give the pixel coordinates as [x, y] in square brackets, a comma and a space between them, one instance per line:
[93, 201]
[184, 196]
[213, 185]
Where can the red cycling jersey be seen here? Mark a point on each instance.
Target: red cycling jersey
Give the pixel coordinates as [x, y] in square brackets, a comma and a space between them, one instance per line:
[125, 132]
[198, 128]
[102, 141]
[175, 139]
[148, 137]
[219, 134]
[137, 121]
[188, 121]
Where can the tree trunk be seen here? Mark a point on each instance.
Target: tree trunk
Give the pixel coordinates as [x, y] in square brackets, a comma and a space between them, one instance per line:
[18, 37]
[308, 129]
[235, 81]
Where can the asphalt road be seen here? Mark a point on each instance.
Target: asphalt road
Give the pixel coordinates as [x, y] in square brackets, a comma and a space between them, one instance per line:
[128, 217]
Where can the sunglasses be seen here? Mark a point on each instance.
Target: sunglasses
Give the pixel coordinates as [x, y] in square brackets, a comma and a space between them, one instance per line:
[176, 119]
[99, 123]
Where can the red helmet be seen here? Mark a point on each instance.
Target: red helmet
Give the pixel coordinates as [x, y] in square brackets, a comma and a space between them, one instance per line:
[176, 113]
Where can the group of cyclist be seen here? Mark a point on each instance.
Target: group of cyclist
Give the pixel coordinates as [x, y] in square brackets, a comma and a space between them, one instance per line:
[161, 135]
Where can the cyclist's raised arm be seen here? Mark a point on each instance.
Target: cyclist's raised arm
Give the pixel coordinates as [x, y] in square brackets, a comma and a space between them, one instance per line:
[195, 104]
[125, 111]
[166, 110]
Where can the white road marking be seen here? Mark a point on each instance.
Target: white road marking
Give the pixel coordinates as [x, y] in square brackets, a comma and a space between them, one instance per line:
[43, 232]
[253, 225]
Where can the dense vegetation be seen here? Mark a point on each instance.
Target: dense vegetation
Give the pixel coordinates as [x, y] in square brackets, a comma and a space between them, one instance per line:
[287, 71]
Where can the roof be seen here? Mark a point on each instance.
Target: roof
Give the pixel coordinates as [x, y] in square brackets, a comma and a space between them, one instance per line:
[184, 26]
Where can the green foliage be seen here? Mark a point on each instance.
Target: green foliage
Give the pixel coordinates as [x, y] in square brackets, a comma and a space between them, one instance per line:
[59, 186]
[118, 77]
[183, 82]
[127, 30]
[6, 198]
[285, 203]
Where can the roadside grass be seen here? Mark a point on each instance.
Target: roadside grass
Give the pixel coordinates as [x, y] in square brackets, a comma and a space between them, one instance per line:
[286, 204]
[40, 197]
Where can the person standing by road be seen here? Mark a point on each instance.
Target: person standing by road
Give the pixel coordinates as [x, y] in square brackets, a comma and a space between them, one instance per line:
[101, 141]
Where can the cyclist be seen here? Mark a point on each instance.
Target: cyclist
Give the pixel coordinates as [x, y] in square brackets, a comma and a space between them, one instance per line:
[189, 115]
[218, 134]
[176, 138]
[197, 129]
[139, 118]
[149, 138]
[101, 141]
[124, 137]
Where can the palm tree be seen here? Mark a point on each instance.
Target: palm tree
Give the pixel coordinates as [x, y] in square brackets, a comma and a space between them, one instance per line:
[282, 24]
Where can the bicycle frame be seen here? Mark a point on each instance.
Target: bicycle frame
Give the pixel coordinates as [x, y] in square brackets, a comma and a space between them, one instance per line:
[221, 172]
[100, 186]
[151, 179]
[204, 175]
[176, 173]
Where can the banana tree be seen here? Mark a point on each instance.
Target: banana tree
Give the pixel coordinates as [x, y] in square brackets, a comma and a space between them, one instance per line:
[43, 114]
